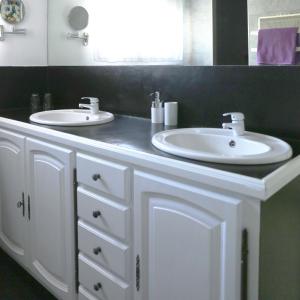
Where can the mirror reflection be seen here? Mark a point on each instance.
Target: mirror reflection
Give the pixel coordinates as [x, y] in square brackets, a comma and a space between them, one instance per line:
[12, 11]
[173, 32]
[78, 18]
[274, 28]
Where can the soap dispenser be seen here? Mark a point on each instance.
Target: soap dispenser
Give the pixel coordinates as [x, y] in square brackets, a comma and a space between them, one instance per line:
[157, 110]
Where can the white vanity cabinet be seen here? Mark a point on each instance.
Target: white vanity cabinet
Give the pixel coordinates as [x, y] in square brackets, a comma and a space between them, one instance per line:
[13, 223]
[118, 224]
[49, 175]
[187, 241]
[37, 213]
[140, 235]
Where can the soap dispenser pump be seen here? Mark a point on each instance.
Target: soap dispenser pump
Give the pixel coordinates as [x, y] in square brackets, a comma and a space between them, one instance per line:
[157, 110]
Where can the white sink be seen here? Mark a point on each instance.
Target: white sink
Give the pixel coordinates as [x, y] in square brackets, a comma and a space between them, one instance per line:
[220, 146]
[71, 117]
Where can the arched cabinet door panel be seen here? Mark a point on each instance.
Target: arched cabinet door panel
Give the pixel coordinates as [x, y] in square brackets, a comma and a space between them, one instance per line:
[13, 222]
[50, 181]
[186, 242]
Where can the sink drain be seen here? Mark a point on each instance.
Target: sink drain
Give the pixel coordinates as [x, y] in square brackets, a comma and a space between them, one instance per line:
[232, 143]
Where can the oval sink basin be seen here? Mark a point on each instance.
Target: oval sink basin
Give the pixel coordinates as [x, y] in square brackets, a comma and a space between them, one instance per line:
[220, 146]
[71, 117]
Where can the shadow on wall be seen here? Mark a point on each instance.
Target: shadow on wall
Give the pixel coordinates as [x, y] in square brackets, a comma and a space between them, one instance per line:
[280, 244]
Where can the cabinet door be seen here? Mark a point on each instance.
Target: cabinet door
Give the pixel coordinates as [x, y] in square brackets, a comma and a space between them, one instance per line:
[186, 242]
[12, 210]
[50, 181]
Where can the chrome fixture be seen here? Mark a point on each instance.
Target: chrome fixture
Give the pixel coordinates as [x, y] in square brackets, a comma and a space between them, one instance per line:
[232, 144]
[93, 106]
[84, 37]
[78, 20]
[97, 177]
[14, 31]
[237, 125]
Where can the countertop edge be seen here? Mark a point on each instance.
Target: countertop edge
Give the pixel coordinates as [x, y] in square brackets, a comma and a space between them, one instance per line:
[281, 177]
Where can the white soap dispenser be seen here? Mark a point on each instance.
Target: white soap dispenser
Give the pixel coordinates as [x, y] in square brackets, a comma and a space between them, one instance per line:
[157, 110]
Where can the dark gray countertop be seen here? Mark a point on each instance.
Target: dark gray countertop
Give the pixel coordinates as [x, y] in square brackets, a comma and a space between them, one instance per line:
[136, 133]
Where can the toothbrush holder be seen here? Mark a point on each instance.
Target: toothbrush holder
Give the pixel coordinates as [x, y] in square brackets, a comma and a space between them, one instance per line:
[171, 113]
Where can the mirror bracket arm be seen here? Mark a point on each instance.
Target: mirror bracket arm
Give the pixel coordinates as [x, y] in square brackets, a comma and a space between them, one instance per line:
[14, 31]
[84, 37]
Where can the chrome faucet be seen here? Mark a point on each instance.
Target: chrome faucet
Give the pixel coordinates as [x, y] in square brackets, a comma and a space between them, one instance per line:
[93, 106]
[237, 125]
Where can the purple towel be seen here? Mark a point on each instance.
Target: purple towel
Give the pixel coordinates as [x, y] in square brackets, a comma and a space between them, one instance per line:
[277, 46]
[298, 53]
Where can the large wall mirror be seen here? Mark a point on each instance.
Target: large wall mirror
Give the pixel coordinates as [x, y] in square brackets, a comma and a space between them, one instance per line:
[158, 32]
[149, 32]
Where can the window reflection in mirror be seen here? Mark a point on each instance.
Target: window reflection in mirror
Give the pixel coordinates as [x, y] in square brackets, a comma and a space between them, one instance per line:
[156, 31]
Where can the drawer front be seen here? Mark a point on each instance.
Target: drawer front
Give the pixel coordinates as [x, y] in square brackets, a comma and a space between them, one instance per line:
[83, 294]
[102, 175]
[101, 283]
[103, 213]
[104, 250]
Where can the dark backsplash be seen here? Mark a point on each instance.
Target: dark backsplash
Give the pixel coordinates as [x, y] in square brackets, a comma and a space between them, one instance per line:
[18, 83]
[269, 96]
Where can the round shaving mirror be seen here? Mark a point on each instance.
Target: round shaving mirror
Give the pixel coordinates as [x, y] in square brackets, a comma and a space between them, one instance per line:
[12, 11]
[78, 18]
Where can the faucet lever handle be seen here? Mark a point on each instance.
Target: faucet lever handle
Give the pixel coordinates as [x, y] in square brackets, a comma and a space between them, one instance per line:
[93, 100]
[235, 116]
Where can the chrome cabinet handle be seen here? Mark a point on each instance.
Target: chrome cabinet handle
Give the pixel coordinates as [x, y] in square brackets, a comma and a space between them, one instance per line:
[97, 250]
[97, 286]
[96, 214]
[22, 204]
[29, 208]
[97, 177]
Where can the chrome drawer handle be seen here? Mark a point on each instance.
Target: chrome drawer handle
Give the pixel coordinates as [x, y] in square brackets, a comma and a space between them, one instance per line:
[96, 177]
[96, 214]
[97, 250]
[97, 286]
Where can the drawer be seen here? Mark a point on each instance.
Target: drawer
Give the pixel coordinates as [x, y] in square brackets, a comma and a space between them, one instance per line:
[83, 294]
[101, 283]
[103, 175]
[104, 250]
[107, 215]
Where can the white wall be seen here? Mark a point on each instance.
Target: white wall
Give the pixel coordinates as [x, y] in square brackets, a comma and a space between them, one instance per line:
[62, 51]
[198, 35]
[30, 49]
[202, 32]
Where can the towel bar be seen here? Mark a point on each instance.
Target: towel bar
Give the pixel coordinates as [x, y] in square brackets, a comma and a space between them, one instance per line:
[255, 49]
[279, 21]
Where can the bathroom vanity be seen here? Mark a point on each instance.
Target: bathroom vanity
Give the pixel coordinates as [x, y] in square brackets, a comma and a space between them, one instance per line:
[93, 213]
